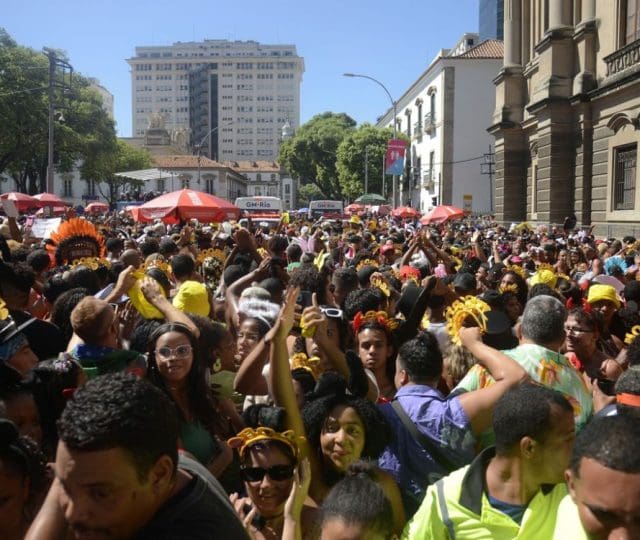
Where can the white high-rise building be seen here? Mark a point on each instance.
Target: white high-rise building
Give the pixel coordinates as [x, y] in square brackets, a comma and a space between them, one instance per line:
[230, 98]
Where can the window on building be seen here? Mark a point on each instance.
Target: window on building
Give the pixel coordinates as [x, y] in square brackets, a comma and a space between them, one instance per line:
[631, 20]
[185, 181]
[408, 113]
[432, 159]
[273, 177]
[67, 186]
[258, 191]
[624, 180]
[432, 107]
[161, 184]
[91, 188]
[209, 184]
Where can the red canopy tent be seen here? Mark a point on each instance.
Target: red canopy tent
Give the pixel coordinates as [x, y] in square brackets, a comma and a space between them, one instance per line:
[440, 214]
[50, 199]
[55, 211]
[22, 201]
[405, 212]
[354, 208]
[97, 208]
[184, 205]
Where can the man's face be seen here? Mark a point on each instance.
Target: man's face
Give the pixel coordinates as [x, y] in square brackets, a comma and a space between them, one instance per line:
[608, 501]
[103, 497]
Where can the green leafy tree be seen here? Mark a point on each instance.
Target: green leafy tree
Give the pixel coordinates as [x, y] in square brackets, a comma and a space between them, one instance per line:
[310, 155]
[124, 158]
[370, 143]
[308, 193]
[84, 137]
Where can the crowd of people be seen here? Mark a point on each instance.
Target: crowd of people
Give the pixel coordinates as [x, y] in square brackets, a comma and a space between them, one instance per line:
[343, 379]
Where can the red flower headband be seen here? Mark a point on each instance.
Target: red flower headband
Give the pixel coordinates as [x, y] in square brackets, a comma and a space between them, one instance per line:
[379, 317]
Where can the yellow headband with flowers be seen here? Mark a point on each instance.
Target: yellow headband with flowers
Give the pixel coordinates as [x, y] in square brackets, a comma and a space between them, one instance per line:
[250, 436]
[366, 262]
[92, 262]
[509, 287]
[213, 253]
[379, 317]
[630, 336]
[302, 361]
[380, 284]
[517, 270]
[463, 309]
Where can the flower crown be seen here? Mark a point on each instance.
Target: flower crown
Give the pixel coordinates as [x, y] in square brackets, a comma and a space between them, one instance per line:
[213, 253]
[366, 262]
[463, 309]
[92, 262]
[249, 436]
[160, 265]
[509, 287]
[380, 284]
[517, 270]
[312, 364]
[630, 336]
[545, 266]
[379, 317]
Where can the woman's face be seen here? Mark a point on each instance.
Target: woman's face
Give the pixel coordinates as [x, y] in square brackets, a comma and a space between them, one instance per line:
[313, 349]
[574, 257]
[248, 337]
[174, 356]
[23, 412]
[562, 256]
[14, 492]
[226, 352]
[342, 437]
[513, 309]
[269, 495]
[374, 349]
[23, 360]
[508, 279]
[580, 338]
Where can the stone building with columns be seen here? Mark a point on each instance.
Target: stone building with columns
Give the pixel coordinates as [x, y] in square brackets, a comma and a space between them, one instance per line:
[567, 117]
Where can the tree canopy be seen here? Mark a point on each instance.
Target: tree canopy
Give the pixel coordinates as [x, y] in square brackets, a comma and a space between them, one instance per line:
[83, 132]
[310, 155]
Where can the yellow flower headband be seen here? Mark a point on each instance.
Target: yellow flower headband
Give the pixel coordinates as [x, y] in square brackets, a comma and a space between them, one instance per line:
[630, 336]
[517, 270]
[159, 264]
[380, 284]
[366, 262]
[91, 262]
[509, 287]
[249, 436]
[4, 311]
[463, 309]
[312, 365]
[213, 253]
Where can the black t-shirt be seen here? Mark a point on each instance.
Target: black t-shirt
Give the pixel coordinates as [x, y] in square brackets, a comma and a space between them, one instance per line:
[195, 513]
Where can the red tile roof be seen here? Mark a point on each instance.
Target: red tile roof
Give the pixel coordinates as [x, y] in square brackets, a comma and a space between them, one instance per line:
[491, 48]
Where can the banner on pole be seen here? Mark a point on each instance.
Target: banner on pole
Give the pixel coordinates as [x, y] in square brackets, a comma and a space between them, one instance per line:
[395, 156]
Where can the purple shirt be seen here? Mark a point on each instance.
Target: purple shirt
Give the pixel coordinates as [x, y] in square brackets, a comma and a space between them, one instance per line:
[441, 419]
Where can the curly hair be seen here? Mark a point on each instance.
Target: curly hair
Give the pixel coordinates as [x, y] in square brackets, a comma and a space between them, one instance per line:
[309, 278]
[333, 394]
[459, 361]
[421, 358]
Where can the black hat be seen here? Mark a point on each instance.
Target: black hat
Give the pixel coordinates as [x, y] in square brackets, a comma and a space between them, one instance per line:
[465, 282]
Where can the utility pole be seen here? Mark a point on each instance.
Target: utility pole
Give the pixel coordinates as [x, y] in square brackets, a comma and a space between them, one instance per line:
[55, 63]
[488, 168]
[366, 170]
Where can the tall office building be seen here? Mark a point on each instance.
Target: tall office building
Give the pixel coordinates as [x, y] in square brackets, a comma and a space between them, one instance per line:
[231, 98]
[491, 19]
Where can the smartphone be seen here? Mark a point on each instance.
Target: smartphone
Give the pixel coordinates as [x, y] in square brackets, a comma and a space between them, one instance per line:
[305, 299]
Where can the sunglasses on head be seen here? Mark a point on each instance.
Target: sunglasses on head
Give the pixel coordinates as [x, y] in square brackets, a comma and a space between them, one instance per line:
[277, 473]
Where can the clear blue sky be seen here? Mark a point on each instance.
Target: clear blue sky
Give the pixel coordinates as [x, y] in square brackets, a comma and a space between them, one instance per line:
[391, 41]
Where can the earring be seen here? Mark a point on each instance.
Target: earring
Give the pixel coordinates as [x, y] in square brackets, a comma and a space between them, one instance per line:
[217, 365]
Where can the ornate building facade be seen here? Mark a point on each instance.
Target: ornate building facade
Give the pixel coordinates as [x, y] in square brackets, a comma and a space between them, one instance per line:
[567, 118]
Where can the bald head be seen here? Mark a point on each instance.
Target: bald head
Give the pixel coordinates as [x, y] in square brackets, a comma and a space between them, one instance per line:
[131, 257]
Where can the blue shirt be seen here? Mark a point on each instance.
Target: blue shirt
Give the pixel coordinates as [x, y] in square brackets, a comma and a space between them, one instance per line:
[441, 419]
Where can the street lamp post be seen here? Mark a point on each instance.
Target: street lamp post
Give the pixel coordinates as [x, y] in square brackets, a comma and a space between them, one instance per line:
[202, 142]
[395, 114]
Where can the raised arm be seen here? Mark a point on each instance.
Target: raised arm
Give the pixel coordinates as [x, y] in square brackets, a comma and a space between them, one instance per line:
[479, 404]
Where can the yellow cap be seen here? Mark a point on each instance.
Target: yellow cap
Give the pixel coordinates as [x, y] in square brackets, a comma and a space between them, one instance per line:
[192, 297]
[603, 292]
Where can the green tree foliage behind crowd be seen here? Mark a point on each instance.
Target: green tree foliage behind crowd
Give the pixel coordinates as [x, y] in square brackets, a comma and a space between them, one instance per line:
[327, 156]
[85, 137]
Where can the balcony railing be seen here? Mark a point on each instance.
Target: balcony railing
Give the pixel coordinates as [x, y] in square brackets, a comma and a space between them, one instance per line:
[429, 123]
[427, 179]
[623, 59]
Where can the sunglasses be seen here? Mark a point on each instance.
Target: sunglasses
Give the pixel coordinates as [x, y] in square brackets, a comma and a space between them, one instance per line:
[277, 473]
[181, 351]
[331, 312]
